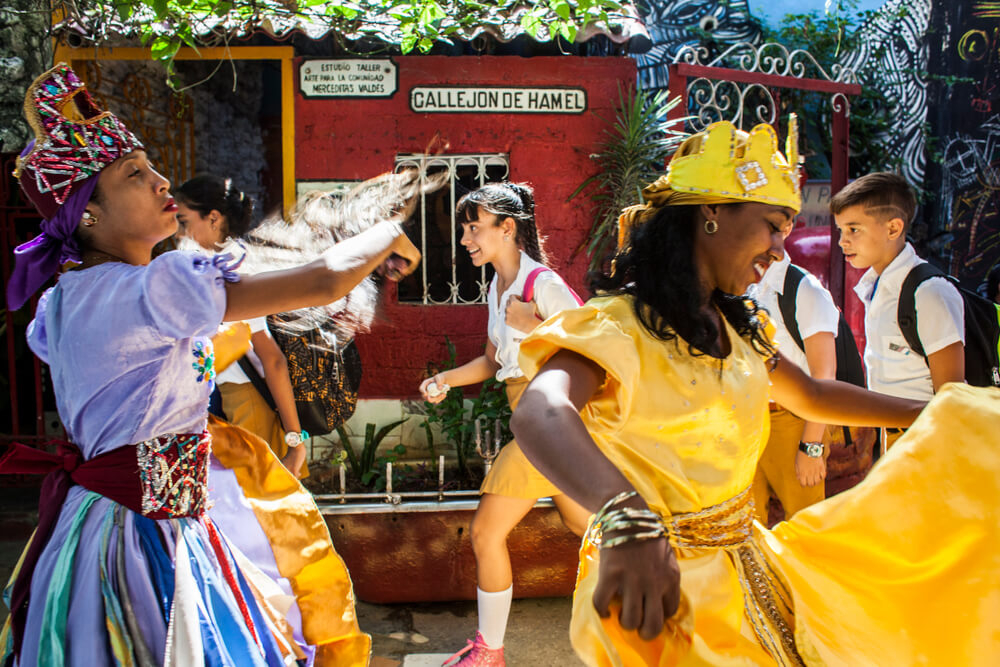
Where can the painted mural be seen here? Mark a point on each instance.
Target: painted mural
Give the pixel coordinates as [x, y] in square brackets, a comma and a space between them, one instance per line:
[964, 117]
[892, 54]
[674, 24]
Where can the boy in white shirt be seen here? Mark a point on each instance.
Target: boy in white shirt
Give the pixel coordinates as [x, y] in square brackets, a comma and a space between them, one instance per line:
[795, 445]
[873, 214]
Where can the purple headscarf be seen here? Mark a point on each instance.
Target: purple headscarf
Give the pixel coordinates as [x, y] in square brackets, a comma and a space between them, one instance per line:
[40, 258]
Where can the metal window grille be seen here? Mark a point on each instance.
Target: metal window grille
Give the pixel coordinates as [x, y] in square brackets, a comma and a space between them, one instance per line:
[447, 275]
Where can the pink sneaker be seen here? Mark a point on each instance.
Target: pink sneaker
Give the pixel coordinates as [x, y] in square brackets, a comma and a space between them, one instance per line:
[477, 654]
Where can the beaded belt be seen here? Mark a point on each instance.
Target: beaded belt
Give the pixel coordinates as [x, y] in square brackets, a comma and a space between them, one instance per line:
[727, 524]
[173, 474]
[767, 603]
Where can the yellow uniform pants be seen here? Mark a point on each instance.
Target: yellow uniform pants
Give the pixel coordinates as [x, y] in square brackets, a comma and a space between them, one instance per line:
[776, 469]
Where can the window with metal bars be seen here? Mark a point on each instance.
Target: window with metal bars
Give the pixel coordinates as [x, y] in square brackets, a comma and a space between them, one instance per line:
[446, 274]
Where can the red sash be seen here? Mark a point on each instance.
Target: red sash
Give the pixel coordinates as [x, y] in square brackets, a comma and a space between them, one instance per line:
[114, 475]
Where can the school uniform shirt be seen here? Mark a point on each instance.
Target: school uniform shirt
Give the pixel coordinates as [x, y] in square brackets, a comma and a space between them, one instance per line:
[234, 373]
[815, 311]
[551, 295]
[893, 368]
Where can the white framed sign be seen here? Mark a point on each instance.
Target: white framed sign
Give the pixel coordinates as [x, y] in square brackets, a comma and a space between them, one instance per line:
[497, 99]
[348, 77]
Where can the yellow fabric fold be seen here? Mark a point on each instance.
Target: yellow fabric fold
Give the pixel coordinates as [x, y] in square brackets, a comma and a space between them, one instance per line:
[301, 544]
[904, 569]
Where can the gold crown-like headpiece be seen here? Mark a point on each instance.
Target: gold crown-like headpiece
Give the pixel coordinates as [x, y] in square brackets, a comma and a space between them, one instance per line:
[726, 162]
[723, 164]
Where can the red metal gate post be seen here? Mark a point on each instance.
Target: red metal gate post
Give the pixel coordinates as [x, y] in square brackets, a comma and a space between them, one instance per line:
[838, 179]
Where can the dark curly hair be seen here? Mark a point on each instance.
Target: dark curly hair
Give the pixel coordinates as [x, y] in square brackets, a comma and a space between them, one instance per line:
[658, 270]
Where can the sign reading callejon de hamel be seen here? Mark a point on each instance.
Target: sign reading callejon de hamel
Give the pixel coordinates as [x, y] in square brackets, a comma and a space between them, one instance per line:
[496, 99]
[347, 77]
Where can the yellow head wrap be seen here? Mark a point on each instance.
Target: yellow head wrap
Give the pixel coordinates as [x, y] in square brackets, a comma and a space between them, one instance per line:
[723, 165]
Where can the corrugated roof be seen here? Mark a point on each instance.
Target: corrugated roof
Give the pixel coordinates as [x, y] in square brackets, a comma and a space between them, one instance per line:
[504, 25]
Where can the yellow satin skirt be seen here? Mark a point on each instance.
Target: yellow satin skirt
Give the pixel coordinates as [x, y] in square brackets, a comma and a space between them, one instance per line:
[512, 474]
[300, 541]
[903, 569]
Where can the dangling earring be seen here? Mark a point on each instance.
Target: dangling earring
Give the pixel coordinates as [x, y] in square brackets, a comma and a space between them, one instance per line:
[711, 226]
[88, 219]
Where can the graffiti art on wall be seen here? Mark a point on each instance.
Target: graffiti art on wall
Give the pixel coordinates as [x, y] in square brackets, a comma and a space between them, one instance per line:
[965, 119]
[674, 24]
[892, 54]
[971, 193]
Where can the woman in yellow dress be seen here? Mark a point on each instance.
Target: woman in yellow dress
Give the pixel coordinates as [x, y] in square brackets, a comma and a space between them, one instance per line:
[657, 392]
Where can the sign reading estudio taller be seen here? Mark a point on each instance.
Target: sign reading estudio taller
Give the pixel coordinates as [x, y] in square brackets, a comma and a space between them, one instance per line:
[497, 99]
[349, 77]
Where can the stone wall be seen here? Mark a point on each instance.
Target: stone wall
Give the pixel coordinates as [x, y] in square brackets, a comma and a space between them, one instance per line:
[25, 52]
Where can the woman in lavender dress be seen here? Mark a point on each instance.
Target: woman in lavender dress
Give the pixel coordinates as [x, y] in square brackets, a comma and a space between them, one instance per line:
[126, 567]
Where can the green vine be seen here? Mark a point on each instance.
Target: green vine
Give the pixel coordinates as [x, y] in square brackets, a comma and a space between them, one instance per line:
[167, 25]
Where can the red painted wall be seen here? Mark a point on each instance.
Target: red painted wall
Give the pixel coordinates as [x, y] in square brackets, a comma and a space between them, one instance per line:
[341, 139]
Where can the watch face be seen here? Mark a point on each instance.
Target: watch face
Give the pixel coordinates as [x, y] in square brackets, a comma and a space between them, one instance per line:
[814, 450]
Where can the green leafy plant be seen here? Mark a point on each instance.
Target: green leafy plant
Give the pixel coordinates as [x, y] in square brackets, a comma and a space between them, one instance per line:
[636, 148]
[167, 25]
[458, 422]
[369, 467]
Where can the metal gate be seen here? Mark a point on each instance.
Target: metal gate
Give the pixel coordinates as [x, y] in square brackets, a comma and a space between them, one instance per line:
[743, 84]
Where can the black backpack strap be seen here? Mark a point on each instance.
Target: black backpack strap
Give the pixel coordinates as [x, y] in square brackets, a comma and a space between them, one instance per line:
[786, 302]
[257, 381]
[906, 311]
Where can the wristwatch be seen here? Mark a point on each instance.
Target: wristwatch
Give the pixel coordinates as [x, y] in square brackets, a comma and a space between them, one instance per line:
[813, 450]
[294, 438]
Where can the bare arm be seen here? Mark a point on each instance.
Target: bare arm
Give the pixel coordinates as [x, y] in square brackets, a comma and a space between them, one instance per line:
[835, 402]
[280, 385]
[277, 379]
[319, 282]
[947, 365]
[643, 575]
[821, 353]
[471, 372]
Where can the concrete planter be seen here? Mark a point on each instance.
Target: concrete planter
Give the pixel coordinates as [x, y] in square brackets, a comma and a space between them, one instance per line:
[421, 551]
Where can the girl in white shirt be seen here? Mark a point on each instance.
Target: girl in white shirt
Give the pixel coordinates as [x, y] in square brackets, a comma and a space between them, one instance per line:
[498, 227]
[210, 210]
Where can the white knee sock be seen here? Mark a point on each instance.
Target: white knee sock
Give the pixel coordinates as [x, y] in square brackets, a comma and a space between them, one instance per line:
[493, 611]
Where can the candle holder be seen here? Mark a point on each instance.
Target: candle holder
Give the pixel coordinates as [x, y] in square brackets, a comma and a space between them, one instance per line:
[492, 450]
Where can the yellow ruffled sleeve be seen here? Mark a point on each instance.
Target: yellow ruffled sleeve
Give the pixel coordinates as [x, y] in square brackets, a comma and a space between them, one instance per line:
[595, 332]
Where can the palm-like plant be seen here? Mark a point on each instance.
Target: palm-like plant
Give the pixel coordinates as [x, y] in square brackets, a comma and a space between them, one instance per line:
[637, 146]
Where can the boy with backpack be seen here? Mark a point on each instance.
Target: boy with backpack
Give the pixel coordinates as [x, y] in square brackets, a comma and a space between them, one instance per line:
[873, 214]
[806, 325]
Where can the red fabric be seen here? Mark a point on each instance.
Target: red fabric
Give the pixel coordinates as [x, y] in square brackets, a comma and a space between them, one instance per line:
[114, 475]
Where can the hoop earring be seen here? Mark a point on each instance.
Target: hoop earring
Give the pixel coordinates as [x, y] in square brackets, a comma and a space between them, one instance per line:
[88, 219]
[711, 226]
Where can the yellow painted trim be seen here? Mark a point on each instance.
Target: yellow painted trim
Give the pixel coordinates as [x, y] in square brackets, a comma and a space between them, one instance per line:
[288, 133]
[285, 54]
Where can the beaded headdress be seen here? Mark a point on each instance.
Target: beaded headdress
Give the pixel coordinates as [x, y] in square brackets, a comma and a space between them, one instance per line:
[74, 139]
[724, 165]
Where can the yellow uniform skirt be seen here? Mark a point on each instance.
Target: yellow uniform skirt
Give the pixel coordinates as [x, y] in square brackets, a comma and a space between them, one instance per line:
[246, 408]
[512, 474]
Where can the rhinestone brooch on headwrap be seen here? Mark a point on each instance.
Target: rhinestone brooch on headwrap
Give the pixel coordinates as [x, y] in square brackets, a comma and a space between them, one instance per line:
[724, 165]
[74, 139]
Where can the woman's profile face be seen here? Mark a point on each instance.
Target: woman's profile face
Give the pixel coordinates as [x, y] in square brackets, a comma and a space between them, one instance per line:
[134, 205]
[206, 230]
[750, 237]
